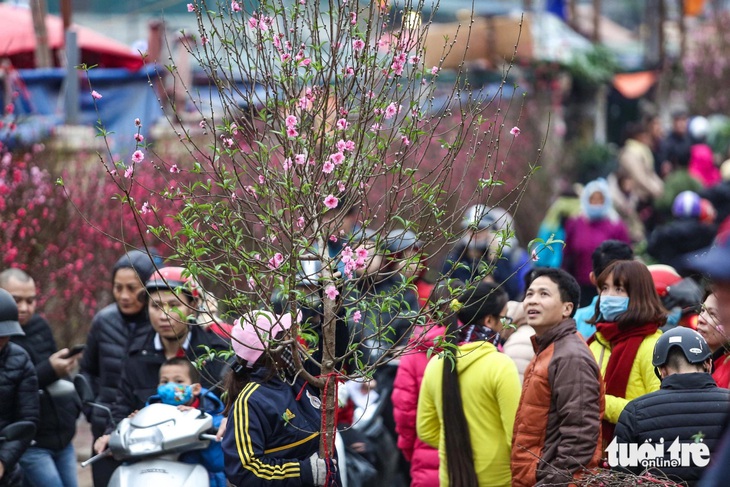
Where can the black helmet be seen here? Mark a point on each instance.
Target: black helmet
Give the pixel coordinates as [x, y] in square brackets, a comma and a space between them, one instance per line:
[693, 345]
[9, 325]
[400, 239]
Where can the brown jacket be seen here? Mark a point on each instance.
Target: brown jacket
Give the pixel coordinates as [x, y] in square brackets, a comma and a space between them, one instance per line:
[557, 430]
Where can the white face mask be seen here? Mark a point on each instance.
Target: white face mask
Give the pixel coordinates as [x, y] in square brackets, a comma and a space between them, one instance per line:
[476, 241]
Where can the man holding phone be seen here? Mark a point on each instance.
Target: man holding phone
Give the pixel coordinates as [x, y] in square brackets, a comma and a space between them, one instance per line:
[51, 460]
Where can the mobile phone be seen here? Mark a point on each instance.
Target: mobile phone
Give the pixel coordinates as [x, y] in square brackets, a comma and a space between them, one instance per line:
[75, 350]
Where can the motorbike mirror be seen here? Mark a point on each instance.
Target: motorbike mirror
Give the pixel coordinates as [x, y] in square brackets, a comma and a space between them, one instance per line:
[22, 431]
[83, 389]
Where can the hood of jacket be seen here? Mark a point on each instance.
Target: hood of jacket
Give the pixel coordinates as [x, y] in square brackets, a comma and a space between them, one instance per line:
[470, 353]
[424, 337]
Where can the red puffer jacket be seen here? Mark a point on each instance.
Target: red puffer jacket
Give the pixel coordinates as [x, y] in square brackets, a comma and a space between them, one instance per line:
[424, 459]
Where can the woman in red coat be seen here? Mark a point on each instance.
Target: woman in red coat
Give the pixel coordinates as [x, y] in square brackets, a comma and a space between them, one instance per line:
[423, 458]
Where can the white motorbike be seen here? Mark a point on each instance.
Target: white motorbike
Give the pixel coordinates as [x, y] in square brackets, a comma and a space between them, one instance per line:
[150, 444]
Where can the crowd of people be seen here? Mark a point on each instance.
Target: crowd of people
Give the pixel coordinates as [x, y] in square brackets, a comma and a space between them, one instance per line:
[514, 367]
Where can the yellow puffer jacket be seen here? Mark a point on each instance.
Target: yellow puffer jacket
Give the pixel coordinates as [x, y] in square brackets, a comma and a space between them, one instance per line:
[642, 378]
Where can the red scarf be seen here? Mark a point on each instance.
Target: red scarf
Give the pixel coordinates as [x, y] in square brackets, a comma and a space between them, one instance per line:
[624, 345]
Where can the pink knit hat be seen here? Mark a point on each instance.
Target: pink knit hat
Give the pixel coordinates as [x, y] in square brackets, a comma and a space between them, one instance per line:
[251, 338]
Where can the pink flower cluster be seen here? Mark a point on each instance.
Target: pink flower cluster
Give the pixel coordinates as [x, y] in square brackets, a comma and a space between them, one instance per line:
[291, 126]
[276, 261]
[361, 255]
[263, 23]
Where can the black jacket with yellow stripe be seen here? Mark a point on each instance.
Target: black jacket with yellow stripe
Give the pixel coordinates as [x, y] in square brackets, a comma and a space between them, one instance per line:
[271, 435]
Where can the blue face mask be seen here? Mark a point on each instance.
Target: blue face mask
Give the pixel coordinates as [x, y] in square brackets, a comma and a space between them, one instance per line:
[596, 212]
[175, 394]
[612, 307]
[674, 317]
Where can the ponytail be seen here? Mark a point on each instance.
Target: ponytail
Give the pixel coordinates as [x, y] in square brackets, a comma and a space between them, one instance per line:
[459, 454]
[233, 384]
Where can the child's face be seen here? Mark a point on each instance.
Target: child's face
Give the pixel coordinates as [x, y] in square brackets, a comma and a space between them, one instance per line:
[176, 387]
[177, 374]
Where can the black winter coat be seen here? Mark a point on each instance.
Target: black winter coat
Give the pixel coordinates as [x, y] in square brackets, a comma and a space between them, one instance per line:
[141, 373]
[684, 406]
[18, 398]
[59, 403]
[104, 357]
[673, 242]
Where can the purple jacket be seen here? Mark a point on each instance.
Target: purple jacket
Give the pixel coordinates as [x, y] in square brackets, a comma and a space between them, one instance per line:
[424, 459]
[582, 237]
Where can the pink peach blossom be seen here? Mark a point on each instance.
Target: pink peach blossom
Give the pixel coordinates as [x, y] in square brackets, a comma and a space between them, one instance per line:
[331, 201]
[331, 292]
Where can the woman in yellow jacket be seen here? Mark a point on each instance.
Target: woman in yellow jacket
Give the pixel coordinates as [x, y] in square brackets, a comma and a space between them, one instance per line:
[472, 428]
[627, 323]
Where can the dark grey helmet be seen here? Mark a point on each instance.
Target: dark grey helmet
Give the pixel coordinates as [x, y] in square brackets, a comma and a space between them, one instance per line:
[400, 239]
[693, 345]
[9, 325]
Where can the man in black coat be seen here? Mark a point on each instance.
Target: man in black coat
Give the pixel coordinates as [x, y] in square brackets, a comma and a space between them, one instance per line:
[52, 459]
[688, 411]
[18, 391]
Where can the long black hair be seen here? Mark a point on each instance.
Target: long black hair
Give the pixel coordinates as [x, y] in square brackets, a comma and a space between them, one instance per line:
[475, 304]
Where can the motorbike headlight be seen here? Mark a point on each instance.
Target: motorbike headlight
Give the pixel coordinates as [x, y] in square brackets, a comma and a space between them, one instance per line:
[144, 440]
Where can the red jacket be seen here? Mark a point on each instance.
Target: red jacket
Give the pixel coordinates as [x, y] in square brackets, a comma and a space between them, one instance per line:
[721, 366]
[424, 459]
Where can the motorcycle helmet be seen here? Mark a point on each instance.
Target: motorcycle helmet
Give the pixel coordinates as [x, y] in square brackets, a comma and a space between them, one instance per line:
[686, 204]
[693, 346]
[173, 279]
[399, 240]
[479, 216]
[9, 325]
[663, 276]
[698, 128]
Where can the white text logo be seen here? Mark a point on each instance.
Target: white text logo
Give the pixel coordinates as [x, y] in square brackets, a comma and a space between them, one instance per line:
[649, 454]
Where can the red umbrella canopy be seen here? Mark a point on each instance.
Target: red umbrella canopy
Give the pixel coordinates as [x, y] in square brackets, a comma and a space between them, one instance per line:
[18, 41]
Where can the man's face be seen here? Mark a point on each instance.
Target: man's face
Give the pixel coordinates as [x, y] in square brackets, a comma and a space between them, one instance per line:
[168, 314]
[127, 289]
[679, 125]
[25, 297]
[543, 306]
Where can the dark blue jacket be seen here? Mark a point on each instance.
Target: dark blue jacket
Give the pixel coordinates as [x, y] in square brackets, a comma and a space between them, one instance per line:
[686, 406]
[509, 271]
[271, 435]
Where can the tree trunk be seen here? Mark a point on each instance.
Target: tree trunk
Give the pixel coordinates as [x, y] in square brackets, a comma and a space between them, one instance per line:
[596, 21]
[39, 10]
[328, 386]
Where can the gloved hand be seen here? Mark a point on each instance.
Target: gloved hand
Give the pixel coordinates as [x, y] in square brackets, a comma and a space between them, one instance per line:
[320, 468]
